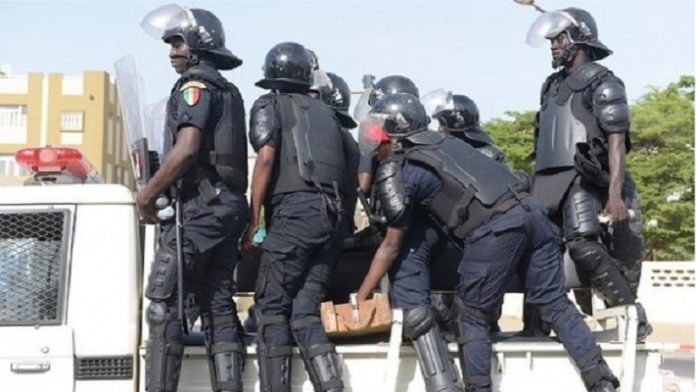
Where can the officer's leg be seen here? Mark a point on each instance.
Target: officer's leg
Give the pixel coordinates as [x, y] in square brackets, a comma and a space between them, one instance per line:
[627, 239]
[164, 348]
[225, 348]
[318, 354]
[581, 229]
[545, 288]
[421, 327]
[491, 258]
[273, 337]
[410, 290]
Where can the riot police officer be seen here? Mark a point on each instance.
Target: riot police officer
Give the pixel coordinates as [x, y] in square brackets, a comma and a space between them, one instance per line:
[475, 202]
[462, 121]
[581, 140]
[387, 85]
[299, 178]
[208, 159]
[458, 115]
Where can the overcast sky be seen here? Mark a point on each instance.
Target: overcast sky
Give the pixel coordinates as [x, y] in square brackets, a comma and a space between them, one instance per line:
[475, 48]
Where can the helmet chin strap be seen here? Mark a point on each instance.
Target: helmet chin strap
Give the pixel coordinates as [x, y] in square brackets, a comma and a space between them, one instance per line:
[193, 60]
[566, 58]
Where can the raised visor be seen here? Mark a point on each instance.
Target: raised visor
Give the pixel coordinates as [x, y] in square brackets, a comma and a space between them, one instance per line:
[66, 194]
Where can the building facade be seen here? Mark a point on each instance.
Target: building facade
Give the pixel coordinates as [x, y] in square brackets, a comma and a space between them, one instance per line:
[58, 110]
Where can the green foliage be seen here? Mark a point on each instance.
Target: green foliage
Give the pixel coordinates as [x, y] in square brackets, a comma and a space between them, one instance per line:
[661, 162]
[515, 137]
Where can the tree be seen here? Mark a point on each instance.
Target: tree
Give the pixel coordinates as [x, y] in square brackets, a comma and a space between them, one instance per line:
[661, 162]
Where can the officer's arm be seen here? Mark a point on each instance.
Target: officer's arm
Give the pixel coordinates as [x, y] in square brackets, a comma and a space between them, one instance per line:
[365, 173]
[365, 182]
[383, 260]
[259, 183]
[182, 155]
[610, 106]
[617, 166]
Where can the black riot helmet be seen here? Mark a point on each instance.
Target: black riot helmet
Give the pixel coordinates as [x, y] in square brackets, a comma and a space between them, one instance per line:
[584, 31]
[577, 25]
[403, 114]
[336, 93]
[391, 85]
[313, 59]
[464, 116]
[200, 29]
[288, 68]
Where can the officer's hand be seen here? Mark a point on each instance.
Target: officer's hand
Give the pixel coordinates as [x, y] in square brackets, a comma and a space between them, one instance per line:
[146, 207]
[247, 245]
[617, 209]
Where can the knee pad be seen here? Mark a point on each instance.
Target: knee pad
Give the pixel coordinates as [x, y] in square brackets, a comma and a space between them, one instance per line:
[588, 255]
[158, 315]
[163, 275]
[418, 321]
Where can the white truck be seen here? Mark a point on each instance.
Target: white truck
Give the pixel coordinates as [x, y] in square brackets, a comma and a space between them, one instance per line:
[72, 263]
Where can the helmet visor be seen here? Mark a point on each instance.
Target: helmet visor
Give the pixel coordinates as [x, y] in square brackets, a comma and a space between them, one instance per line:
[437, 101]
[372, 133]
[548, 26]
[166, 18]
[321, 80]
[362, 107]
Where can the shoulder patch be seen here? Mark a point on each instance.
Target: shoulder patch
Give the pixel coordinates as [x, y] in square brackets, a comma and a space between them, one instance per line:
[191, 94]
[192, 83]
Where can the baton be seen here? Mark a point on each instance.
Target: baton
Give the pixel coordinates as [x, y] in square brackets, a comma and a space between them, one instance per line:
[179, 226]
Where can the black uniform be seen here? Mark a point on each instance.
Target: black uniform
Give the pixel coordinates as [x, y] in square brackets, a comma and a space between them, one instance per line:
[305, 224]
[214, 214]
[578, 112]
[475, 202]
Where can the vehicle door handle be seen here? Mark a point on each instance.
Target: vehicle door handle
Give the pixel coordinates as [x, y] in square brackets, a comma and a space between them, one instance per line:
[30, 367]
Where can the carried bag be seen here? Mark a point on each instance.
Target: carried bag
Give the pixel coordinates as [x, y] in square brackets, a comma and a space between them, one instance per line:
[351, 319]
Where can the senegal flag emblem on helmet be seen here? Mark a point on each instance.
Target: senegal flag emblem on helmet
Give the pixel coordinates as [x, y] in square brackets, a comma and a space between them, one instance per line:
[191, 92]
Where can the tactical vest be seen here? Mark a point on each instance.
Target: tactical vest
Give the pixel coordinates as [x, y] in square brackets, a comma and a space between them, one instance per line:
[472, 184]
[566, 117]
[224, 148]
[352, 159]
[311, 156]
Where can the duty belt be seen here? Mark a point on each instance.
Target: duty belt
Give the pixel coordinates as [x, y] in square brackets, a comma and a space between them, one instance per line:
[505, 205]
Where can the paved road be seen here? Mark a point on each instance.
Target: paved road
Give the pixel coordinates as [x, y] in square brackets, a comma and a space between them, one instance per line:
[679, 368]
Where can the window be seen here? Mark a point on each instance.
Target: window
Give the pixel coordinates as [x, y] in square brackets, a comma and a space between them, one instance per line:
[71, 120]
[71, 127]
[33, 252]
[13, 124]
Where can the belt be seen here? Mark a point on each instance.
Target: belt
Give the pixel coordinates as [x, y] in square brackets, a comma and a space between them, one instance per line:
[505, 205]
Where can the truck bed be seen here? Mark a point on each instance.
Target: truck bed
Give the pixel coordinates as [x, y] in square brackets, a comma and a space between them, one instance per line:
[539, 364]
